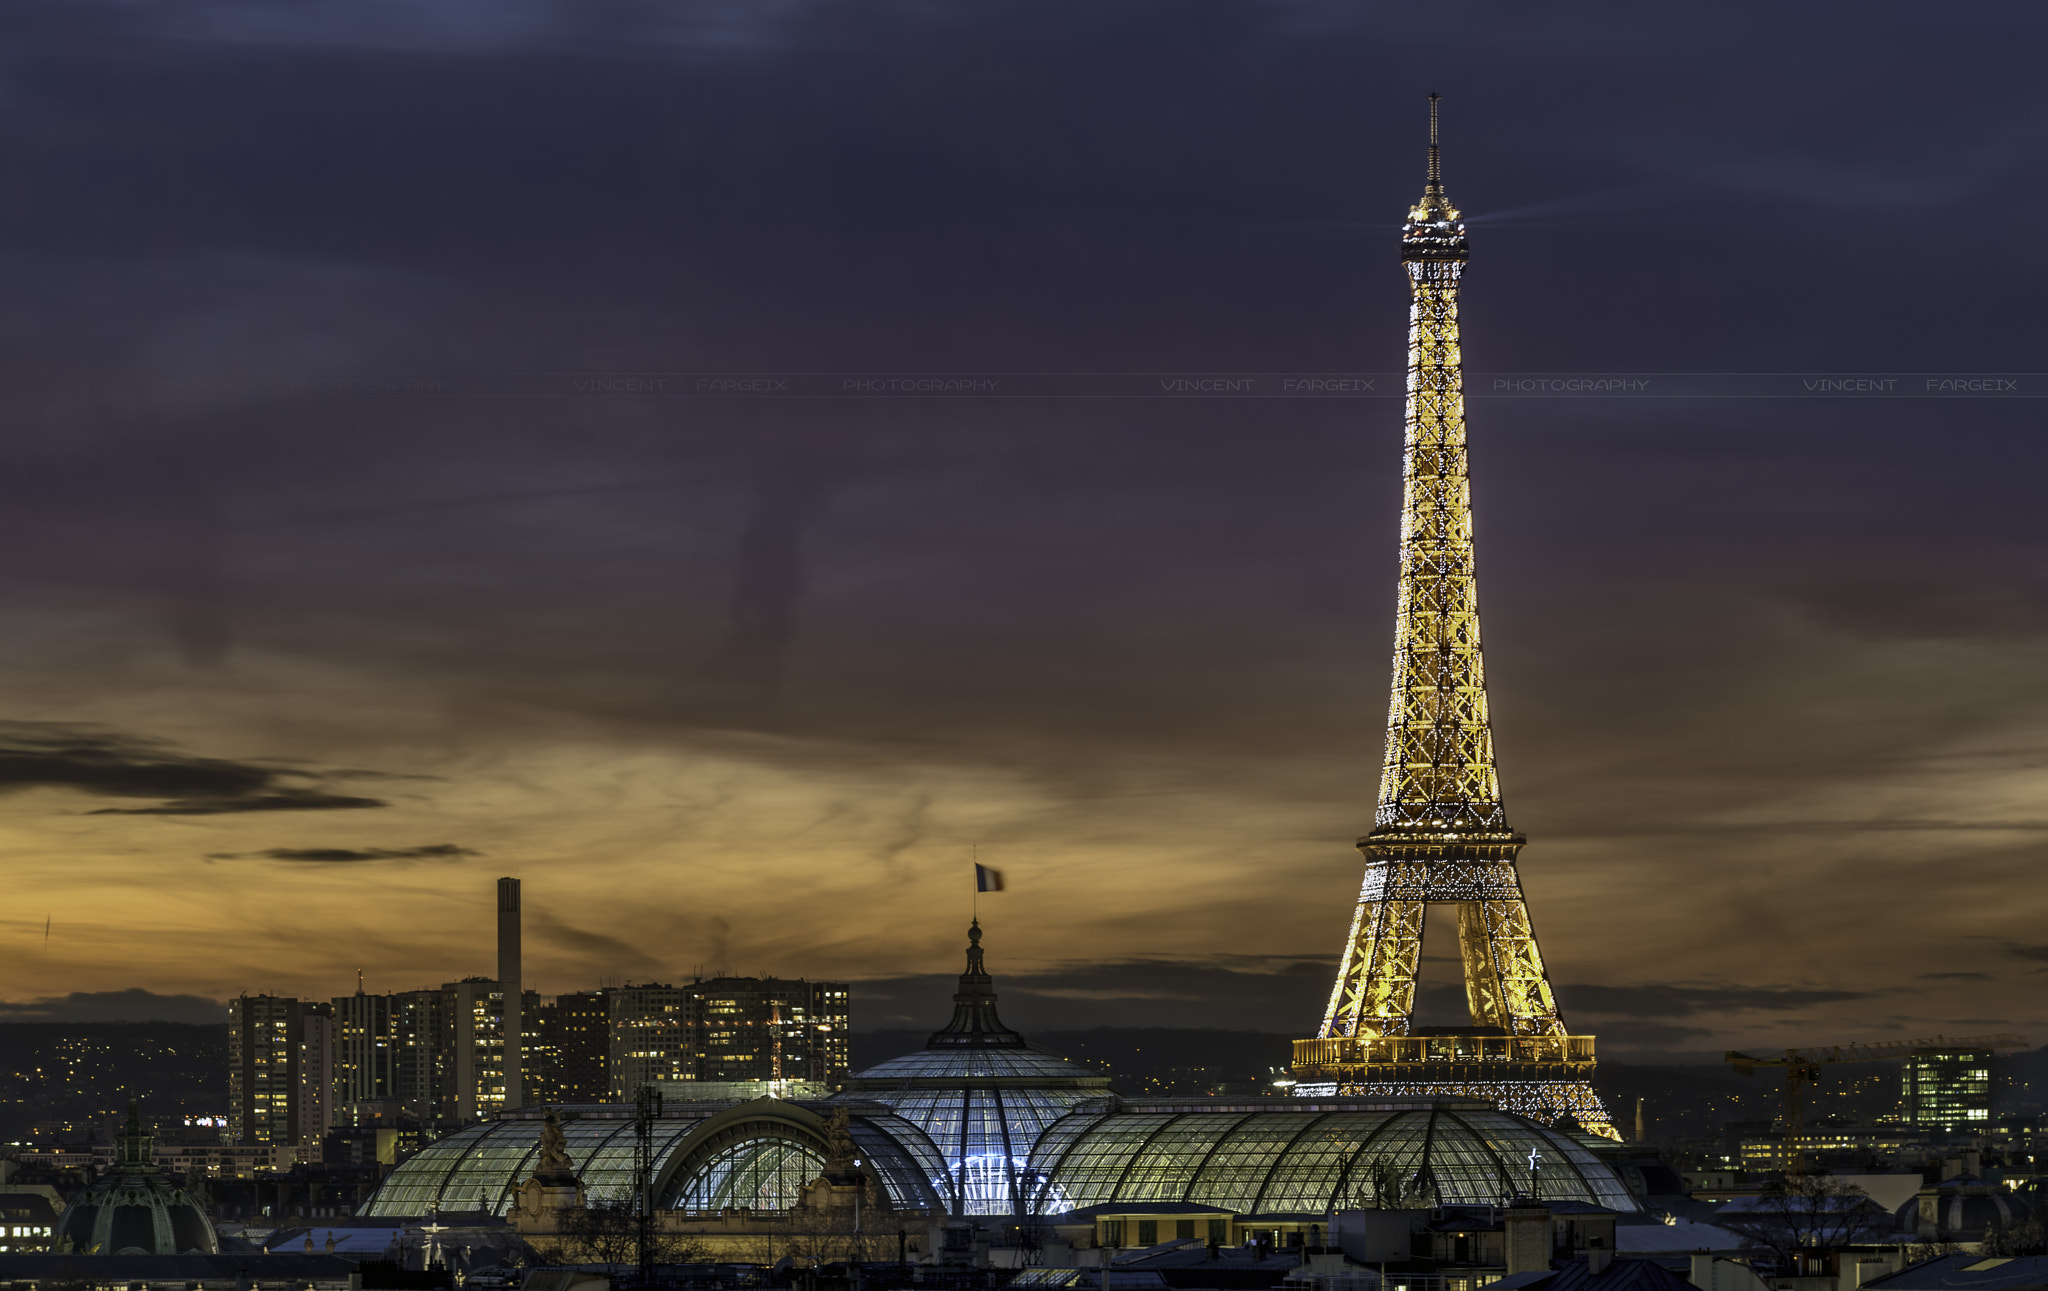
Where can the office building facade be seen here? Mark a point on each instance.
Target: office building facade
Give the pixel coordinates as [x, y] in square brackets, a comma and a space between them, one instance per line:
[1946, 1089]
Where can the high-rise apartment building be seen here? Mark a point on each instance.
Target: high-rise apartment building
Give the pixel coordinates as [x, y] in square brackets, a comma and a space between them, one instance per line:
[422, 1038]
[438, 1055]
[477, 1053]
[265, 1034]
[574, 1049]
[727, 1029]
[769, 1028]
[649, 1037]
[1946, 1089]
[316, 1071]
[281, 1055]
[365, 1051]
[475, 1009]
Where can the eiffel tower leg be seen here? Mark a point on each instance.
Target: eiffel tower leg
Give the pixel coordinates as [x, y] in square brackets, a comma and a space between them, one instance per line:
[1340, 993]
[1376, 994]
[1527, 1006]
[1482, 973]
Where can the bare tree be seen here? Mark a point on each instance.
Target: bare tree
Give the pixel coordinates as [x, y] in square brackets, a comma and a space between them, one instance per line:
[608, 1233]
[1806, 1213]
[605, 1232]
[2023, 1236]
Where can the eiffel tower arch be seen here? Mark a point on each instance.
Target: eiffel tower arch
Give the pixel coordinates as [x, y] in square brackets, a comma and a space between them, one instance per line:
[1441, 837]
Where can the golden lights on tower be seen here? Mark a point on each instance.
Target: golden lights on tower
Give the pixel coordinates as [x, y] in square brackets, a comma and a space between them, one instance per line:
[1441, 835]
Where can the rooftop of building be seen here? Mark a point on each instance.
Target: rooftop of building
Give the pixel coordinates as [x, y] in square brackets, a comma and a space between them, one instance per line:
[1620, 1274]
[1117, 1209]
[241, 1269]
[1970, 1273]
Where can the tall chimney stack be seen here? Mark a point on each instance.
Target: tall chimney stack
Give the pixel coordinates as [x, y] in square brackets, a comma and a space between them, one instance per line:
[508, 986]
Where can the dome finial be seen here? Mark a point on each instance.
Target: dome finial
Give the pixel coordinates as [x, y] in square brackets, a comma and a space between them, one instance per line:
[974, 964]
[974, 1004]
[135, 1147]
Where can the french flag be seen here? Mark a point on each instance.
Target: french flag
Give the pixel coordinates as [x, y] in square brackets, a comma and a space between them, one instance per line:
[986, 879]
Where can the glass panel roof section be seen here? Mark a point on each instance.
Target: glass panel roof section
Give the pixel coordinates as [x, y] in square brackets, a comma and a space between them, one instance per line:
[758, 1174]
[481, 1167]
[911, 1170]
[971, 1064]
[1281, 1159]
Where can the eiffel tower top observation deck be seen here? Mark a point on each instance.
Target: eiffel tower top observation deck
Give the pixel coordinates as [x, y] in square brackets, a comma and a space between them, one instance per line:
[1441, 836]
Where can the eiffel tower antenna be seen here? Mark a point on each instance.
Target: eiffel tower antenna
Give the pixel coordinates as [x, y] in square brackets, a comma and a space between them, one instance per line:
[1441, 833]
[1433, 201]
[1436, 169]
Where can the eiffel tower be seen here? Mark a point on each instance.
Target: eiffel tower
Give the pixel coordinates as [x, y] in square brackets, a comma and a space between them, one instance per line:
[1441, 836]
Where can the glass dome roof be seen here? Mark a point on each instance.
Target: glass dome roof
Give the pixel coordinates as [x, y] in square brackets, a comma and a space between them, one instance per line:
[981, 1093]
[1314, 1156]
[979, 1064]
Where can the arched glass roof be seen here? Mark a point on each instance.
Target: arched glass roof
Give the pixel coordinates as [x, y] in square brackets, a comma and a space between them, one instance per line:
[756, 1174]
[480, 1168]
[1311, 1156]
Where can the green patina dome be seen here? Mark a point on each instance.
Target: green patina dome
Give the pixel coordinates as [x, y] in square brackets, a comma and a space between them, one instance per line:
[135, 1210]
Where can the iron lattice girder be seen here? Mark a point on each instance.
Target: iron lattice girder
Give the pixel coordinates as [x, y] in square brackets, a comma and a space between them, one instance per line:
[1439, 738]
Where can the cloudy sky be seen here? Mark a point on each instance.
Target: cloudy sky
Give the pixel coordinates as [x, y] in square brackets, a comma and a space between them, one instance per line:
[350, 556]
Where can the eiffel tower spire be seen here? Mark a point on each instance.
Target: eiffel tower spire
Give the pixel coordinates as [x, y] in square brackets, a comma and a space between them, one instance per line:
[1441, 834]
[1433, 192]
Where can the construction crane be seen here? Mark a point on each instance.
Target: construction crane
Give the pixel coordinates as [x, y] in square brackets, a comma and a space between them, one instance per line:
[1802, 1068]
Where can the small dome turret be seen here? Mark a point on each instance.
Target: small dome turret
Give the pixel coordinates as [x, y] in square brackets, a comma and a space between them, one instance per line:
[981, 1091]
[135, 1209]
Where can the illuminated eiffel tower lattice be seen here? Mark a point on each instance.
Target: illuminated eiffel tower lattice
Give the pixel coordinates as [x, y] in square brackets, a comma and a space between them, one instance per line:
[1441, 837]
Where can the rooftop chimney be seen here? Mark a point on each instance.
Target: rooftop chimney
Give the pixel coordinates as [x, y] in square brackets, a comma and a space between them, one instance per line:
[1528, 1233]
[508, 986]
[1598, 1257]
